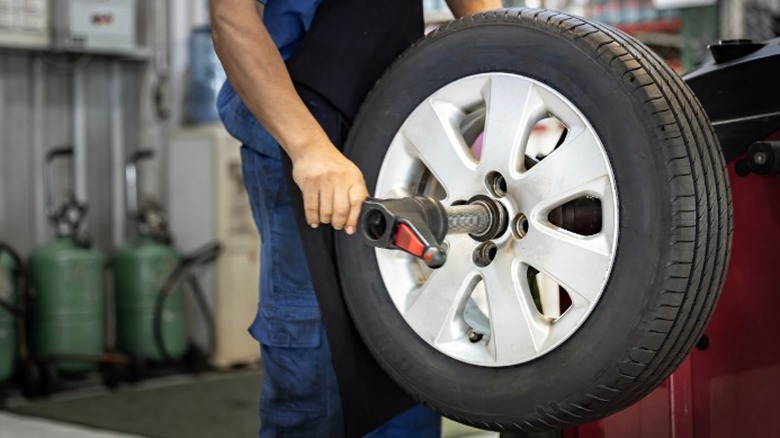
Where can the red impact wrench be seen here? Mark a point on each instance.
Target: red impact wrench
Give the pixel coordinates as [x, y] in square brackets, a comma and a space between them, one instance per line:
[418, 225]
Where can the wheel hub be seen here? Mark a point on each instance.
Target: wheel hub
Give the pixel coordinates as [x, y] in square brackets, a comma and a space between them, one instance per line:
[528, 159]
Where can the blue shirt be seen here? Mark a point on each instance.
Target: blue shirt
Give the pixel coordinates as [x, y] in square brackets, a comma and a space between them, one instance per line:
[287, 22]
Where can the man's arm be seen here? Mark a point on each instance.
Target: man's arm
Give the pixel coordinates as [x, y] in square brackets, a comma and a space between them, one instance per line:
[463, 8]
[333, 187]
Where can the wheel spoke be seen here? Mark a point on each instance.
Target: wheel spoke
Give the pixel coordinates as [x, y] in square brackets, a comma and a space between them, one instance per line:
[433, 138]
[579, 264]
[561, 111]
[513, 107]
[516, 326]
[575, 169]
[435, 310]
[430, 154]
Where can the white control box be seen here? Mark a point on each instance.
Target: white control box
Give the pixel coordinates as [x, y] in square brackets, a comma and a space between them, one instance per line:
[96, 25]
[207, 202]
[24, 24]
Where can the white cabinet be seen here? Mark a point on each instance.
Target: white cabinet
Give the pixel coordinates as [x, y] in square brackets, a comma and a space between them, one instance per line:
[109, 26]
[24, 24]
[207, 201]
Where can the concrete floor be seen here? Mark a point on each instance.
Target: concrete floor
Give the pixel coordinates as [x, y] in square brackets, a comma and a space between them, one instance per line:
[18, 426]
[15, 426]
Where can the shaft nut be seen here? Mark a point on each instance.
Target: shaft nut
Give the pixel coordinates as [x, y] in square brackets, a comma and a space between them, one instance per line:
[498, 218]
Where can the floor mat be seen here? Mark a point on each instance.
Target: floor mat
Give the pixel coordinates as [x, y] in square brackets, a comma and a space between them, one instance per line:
[212, 406]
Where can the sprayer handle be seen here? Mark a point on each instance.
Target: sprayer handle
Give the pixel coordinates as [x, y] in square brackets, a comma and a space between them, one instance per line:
[131, 180]
[48, 174]
[140, 155]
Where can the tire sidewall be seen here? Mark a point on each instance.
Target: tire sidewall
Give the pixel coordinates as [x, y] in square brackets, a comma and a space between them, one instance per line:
[608, 101]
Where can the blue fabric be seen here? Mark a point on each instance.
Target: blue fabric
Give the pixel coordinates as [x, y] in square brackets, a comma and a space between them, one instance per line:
[242, 125]
[300, 395]
[417, 422]
[305, 402]
[287, 22]
[287, 315]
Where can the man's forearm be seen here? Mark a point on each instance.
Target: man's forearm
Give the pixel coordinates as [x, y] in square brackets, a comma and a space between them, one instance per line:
[258, 74]
[333, 187]
[464, 8]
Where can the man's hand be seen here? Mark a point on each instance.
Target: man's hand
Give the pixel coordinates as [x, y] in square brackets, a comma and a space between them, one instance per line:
[464, 8]
[333, 187]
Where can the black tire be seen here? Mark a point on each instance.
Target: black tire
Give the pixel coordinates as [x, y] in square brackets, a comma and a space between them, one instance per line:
[674, 228]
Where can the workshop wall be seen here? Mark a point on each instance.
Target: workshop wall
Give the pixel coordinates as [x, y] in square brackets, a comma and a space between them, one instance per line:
[38, 111]
[105, 99]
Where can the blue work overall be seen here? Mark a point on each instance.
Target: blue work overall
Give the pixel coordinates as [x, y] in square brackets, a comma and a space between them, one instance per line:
[300, 394]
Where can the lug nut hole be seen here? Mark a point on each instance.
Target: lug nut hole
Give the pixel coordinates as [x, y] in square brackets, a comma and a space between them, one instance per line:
[484, 254]
[520, 226]
[496, 184]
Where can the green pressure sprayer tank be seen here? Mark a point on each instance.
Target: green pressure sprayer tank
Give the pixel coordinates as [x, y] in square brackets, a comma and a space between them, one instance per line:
[66, 277]
[8, 300]
[142, 269]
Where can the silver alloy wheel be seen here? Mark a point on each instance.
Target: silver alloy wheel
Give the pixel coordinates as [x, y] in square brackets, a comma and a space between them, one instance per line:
[489, 314]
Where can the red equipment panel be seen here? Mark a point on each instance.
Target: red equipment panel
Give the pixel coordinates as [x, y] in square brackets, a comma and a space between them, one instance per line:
[732, 387]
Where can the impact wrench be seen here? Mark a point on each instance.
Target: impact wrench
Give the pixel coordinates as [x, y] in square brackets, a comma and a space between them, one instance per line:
[418, 225]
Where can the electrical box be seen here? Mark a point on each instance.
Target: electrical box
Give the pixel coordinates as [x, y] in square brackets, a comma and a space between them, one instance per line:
[206, 202]
[24, 24]
[104, 26]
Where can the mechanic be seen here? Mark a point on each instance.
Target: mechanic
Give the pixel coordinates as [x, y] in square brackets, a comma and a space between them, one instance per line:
[299, 113]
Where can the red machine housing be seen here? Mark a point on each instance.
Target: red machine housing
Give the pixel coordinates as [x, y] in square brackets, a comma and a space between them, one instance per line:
[730, 384]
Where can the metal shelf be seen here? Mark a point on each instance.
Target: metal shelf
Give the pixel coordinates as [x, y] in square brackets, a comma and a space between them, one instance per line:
[671, 25]
[138, 54]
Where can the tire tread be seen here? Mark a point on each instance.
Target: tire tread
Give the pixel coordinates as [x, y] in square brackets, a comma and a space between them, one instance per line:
[700, 233]
[694, 276]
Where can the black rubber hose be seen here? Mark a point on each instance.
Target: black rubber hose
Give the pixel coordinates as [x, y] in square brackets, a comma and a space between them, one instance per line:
[110, 331]
[200, 298]
[140, 155]
[20, 280]
[203, 255]
[199, 257]
[167, 289]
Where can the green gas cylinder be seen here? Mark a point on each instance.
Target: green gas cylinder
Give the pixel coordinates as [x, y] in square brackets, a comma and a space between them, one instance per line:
[7, 319]
[141, 269]
[68, 303]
